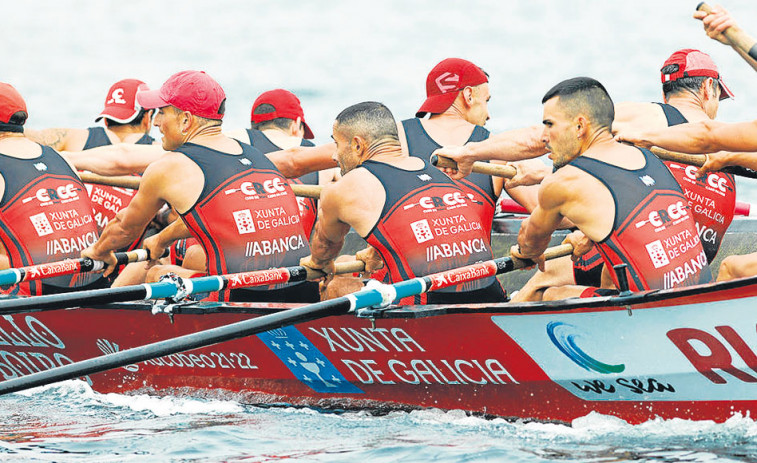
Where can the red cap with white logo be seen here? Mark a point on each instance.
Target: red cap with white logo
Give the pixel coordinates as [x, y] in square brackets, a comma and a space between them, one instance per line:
[446, 80]
[694, 63]
[121, 101]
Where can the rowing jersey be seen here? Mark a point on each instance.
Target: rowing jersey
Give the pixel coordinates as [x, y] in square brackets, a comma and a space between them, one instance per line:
[308, 206]
[653, 231]
[246, 217]
[480, 186]
[427, 225]
[712, 197]
[108, 200]
[45, 216]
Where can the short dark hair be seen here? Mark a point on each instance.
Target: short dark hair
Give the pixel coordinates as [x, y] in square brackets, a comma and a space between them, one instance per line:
[15, 122]
[281, 123]
[134, 122]
[682, 84]
[369, 119]
[587, 96]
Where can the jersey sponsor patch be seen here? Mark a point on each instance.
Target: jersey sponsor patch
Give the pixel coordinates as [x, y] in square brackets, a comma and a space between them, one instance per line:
[41, 224]
[243, 219]
[422, 231]
[657, 253]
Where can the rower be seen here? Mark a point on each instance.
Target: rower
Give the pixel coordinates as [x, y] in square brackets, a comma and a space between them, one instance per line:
[692, 90]
[649, 227]
[125, 122]
[457, 99]
[413, 215]
[45, 215]
[231, 197]
[717, 23]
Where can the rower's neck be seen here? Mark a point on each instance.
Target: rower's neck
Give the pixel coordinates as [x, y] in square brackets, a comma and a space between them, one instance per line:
[599, 138]
[689, 105]
[126, 132]
[385, 150]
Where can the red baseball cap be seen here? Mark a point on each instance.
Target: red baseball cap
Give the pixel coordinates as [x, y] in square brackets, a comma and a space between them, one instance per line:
[446, 80]
[121, 101]
[192, 91]
[694, 63]
[10, 102]
[285, 104]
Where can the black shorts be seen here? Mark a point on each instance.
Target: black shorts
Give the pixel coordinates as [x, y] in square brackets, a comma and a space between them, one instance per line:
[587, 270]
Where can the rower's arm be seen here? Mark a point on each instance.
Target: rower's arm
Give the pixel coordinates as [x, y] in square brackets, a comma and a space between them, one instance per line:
[158, 243]
[722, 159]
[699, 137]
[118, 159]
[132, 220]
[329, 231]
[513, 145]
[300, 160]
[536, 231]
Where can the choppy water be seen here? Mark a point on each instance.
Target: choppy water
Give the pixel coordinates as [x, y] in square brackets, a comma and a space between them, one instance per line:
[63, 55]
[70, 423]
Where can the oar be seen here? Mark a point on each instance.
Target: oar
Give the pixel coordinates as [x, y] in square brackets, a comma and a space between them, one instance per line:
[338, 306]
[127, 181]
[12, 276]
[699, 160]
[167, 289]
[737, 37]
[497, 170]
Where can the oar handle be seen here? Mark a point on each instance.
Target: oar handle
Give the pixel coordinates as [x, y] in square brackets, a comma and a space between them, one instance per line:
[307, 191]
[699, 160]
[124, 181]
[550, 253]
[496, 170]
[354, 266]
[738, 38]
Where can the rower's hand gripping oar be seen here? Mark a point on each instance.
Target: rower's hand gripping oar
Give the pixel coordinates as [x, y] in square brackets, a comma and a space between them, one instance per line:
[126, 181]
[698, 160]
[339, 306]
[12, 276]
[738, 38]
[497, 170]
[174, 289]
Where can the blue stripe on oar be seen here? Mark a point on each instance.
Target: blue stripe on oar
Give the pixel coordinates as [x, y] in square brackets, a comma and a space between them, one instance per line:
[10, 276]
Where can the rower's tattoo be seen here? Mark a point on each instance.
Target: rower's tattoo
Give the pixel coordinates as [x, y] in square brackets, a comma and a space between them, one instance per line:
[53, 138]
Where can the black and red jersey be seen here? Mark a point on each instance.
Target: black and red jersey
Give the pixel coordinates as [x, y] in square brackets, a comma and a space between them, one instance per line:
[478, 186]
[45, 216]
[712, 197]
[308, 206]
[246, 217]
[428, 224]
[653, 232]
[108, 200]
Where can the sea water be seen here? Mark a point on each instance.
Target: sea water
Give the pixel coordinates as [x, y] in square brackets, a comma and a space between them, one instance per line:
[63, 56]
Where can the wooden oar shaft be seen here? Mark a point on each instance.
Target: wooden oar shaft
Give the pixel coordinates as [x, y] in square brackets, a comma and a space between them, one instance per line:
[12, 276]
[497, 170]
[338, 306]
[166, 289]
[736, 36]
[126, 181]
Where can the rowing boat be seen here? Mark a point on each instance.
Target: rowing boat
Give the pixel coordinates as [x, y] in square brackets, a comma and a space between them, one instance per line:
[687, 353]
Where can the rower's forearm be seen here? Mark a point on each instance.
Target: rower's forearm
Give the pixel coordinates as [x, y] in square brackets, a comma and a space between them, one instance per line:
[176, 230]
[114, 237]
[513, 145]
[322, 249]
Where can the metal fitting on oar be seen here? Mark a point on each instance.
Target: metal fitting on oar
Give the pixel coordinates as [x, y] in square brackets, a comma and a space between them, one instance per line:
[183, 290]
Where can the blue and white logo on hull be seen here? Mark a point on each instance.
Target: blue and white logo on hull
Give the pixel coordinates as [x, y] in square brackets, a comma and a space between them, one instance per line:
[306, 362]
[563, 336]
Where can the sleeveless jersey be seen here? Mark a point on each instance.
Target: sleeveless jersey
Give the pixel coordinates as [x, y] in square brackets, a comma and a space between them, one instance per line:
[246, 217]
[712, 197]
[108, 200]
[308, 206]
[427, 225]
[653, 231]
[421, 145]
[45, 216]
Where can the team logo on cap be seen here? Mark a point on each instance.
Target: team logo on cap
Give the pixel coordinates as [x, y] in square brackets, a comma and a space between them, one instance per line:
[444, 81]
[117, 97]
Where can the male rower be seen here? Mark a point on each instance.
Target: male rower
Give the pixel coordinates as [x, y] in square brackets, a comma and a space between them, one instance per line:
[621, 197]
[413, 215]
[457, 99]
[231, 197]
[124, 122]
[45, 214]
[716, 23]
[692, 89]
